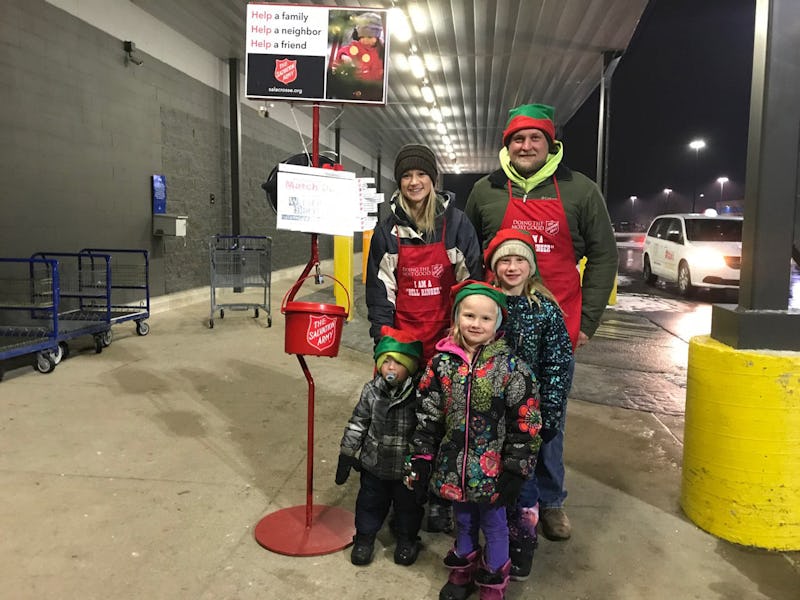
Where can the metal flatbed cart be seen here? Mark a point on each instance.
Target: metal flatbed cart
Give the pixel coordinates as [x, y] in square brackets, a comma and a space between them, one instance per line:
[84, 299]
[240, 264]
[130, 284]
[28, 310]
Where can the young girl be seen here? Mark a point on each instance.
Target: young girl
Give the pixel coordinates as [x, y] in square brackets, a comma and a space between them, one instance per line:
[476, 439]
[535, 331]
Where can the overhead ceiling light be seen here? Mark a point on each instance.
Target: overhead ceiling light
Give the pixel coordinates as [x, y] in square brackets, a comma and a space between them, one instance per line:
[427, 94]
[446, 139]
[400, 62]
[432, 62]
[399, 25]
[441, 128]
[418, 18]
[453, 155]
[436, 115]
[417, 66]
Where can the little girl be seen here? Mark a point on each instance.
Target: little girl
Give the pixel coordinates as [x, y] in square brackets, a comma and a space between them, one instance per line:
[536, 332]
[476, 439]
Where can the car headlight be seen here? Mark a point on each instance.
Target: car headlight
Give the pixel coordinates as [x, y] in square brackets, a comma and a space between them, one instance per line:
[706, 258]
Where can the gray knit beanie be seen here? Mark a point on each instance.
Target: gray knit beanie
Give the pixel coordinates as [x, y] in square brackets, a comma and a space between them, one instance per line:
[415, 156]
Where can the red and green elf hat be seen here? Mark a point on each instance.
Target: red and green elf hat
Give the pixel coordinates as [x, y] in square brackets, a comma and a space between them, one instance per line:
[530, 116]
[401, 346]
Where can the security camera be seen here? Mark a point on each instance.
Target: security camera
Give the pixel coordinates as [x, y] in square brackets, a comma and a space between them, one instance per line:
[263, 111]
[130, 51]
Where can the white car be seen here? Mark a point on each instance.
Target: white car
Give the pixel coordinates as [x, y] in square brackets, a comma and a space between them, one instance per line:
[694, 250]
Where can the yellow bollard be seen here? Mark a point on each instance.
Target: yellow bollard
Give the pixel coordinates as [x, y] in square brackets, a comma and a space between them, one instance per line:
[343, 270]
[612, 298]
[741, 457]
[366, 239]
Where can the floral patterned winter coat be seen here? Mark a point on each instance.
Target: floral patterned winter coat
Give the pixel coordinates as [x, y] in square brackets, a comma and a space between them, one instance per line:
[477, 420]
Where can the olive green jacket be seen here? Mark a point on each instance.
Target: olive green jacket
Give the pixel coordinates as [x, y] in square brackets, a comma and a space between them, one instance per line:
[589, 226]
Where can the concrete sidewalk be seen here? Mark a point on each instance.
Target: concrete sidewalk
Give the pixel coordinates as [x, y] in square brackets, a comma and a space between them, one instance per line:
[141, 472]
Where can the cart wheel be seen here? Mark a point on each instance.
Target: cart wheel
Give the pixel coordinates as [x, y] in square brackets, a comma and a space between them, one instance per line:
[142, 328]
[44, 362]
[98, 344]
[211, 323]
[221, 313]
[256, 311]
[60, 352]
[105, 338]
[269, 321]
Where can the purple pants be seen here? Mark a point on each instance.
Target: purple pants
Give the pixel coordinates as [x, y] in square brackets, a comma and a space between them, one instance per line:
[471, 518]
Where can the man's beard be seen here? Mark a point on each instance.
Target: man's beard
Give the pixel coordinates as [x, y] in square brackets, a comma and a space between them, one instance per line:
[526, 171]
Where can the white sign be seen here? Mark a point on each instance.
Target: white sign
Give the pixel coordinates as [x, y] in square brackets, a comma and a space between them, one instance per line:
[315, 200]
[304, 52]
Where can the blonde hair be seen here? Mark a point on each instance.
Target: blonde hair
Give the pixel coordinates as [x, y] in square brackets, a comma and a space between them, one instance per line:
[533, 285]
[426, 223]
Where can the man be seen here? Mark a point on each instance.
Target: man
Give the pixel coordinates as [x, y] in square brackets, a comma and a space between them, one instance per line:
[565, 213]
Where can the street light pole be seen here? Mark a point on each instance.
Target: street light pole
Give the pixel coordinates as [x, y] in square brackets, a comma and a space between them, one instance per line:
[667, 192]
[696, 145]
[721, 181]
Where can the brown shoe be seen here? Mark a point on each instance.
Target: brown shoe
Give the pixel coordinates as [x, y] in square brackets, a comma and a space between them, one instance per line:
[555, 524]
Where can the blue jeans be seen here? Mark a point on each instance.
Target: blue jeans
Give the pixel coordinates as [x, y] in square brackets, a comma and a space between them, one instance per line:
[547, 484]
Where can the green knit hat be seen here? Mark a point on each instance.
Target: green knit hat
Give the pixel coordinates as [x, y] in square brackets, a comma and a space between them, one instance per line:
[531, 116]
[399, 345]
[470, 287]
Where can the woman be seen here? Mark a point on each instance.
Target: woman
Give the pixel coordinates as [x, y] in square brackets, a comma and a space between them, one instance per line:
[418, 252]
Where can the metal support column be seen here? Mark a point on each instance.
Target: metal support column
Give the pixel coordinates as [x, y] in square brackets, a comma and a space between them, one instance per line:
[235, 118]
[762, 319]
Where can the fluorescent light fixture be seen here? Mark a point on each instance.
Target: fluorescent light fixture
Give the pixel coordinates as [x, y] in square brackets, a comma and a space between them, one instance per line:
[399, 25]
[441, 129]
[417, 66]
[427, 94]
[419, 18]
[432, 62]
[436, 115]
[446, 139]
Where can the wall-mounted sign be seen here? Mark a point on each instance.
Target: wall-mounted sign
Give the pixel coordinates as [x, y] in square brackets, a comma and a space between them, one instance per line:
[302, 52]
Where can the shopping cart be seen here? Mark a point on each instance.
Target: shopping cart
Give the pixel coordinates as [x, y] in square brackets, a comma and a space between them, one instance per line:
[130, 284]
[240, 264]
[28, 309]
[84, 299]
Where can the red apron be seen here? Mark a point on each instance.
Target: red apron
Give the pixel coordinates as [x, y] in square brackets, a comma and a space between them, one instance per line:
[545, 220]
[424, 278]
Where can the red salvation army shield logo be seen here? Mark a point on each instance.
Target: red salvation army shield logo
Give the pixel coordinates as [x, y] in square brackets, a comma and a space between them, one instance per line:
[551, 227]
[321, 331]
[285, 70]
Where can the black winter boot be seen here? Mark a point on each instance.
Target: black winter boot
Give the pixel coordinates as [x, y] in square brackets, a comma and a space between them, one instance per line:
[406, 551]
[460, 582]
[521, 554]
[440, 516]
[363, 547]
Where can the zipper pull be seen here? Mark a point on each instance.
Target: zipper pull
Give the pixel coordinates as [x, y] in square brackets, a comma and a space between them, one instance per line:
[525, 197]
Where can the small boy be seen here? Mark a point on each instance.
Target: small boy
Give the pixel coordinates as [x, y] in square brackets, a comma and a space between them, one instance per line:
[379, 432]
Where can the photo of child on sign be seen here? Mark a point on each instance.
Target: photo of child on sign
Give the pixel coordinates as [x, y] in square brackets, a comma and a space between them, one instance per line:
[356, 52]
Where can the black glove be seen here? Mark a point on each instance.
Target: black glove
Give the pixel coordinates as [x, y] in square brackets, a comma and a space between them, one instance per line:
[508, 488]
[419, 484]
[547, 434]
[343, 468]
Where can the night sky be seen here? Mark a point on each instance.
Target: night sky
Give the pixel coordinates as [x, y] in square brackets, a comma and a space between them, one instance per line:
[685, 75]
